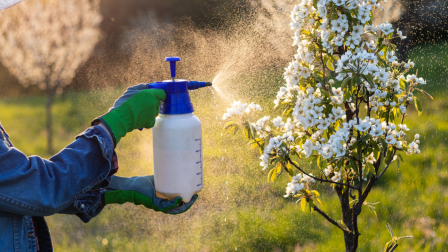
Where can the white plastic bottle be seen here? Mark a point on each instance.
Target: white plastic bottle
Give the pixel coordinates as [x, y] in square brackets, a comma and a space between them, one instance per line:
[177, 140]
[177, 144]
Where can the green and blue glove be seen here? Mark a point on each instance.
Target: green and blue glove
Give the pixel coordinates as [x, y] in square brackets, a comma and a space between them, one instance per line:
[137, 108]
[141, 191]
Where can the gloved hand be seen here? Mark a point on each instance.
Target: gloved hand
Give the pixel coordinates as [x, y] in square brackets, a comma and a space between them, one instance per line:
[140, 191]
[137, 108]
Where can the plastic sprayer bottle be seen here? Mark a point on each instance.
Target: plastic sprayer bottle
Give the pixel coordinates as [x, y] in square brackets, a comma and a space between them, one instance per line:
[177, 139]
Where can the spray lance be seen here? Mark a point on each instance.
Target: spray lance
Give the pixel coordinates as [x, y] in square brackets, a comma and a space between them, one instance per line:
[177, 139]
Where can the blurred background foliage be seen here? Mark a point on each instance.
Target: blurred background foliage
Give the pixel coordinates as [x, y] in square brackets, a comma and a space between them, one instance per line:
[423, 21]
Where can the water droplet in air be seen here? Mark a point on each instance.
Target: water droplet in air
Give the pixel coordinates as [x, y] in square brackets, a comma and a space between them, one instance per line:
[235, 248]
[225, 150]
[225, 219]
[227, 182]
[221, 134]
[227, 174]
[222, 158]
[227, 198]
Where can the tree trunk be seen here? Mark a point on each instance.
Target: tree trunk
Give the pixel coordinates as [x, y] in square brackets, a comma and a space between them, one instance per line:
[350, 239]
[50, 100]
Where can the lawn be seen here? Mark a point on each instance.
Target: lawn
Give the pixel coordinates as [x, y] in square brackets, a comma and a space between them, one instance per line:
[255, 217]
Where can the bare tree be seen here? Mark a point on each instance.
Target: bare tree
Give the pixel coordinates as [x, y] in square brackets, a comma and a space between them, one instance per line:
[44, 42]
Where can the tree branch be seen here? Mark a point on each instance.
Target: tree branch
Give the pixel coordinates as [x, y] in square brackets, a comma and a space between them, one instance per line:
[323, 72]
[329, 218]
[387, 165]
[319, 179]
[394, 247]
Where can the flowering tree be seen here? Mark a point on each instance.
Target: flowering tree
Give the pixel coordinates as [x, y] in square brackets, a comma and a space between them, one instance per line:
[44, 42]
[343, 106]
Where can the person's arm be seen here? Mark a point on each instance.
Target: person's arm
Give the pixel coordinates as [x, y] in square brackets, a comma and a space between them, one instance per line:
[39, 187]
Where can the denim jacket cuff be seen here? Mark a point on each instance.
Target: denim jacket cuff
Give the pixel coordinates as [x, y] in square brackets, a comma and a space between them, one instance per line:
[103, 138]
[107, 148]
[89, 206]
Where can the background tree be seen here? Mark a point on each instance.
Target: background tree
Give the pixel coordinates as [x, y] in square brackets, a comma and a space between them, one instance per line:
[43, 43]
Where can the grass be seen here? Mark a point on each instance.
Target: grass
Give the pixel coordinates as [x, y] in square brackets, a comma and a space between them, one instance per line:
[256, 217]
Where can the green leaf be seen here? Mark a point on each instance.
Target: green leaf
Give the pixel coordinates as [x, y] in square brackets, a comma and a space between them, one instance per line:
[270, 174]
[303, 204]
[365, 138]
[228, 124]
[372, 210]
[247, 130]
[389, 228]
[353, 80]
[246, 133]
[405, 237]
[230, 127]
[371, 167]
[318, 200]
[402, 84]
[369, 79]
[353, 164]
[319, 162]
[330, 65]
[345, 82]
[233, 129]
[349, 16]
[290, 172]
[418, 105]
[389, 154]
[425, 93]
[311, 205]
[319, 73]
[374, 145]
[277, 171]
[359, 152]
[256, 143]
[383, 143]
[341, 222]
[316, 193]
[379, 42]
[352, 202]
[305, 32]
[252, 131]
[347, 94]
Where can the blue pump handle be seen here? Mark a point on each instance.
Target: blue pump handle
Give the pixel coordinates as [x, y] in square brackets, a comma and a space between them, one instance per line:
[172, 61]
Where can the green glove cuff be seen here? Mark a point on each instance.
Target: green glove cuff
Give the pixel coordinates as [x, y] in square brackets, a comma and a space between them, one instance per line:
[121, 197]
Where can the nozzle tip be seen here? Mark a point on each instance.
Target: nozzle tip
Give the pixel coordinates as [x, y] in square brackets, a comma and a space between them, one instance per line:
[208, 84]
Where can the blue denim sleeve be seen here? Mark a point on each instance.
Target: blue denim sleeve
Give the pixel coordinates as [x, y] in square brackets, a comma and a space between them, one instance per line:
[87, 206]
[38, 187]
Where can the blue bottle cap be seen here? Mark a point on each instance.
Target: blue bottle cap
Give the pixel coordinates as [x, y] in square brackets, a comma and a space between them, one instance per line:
[177, 97]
